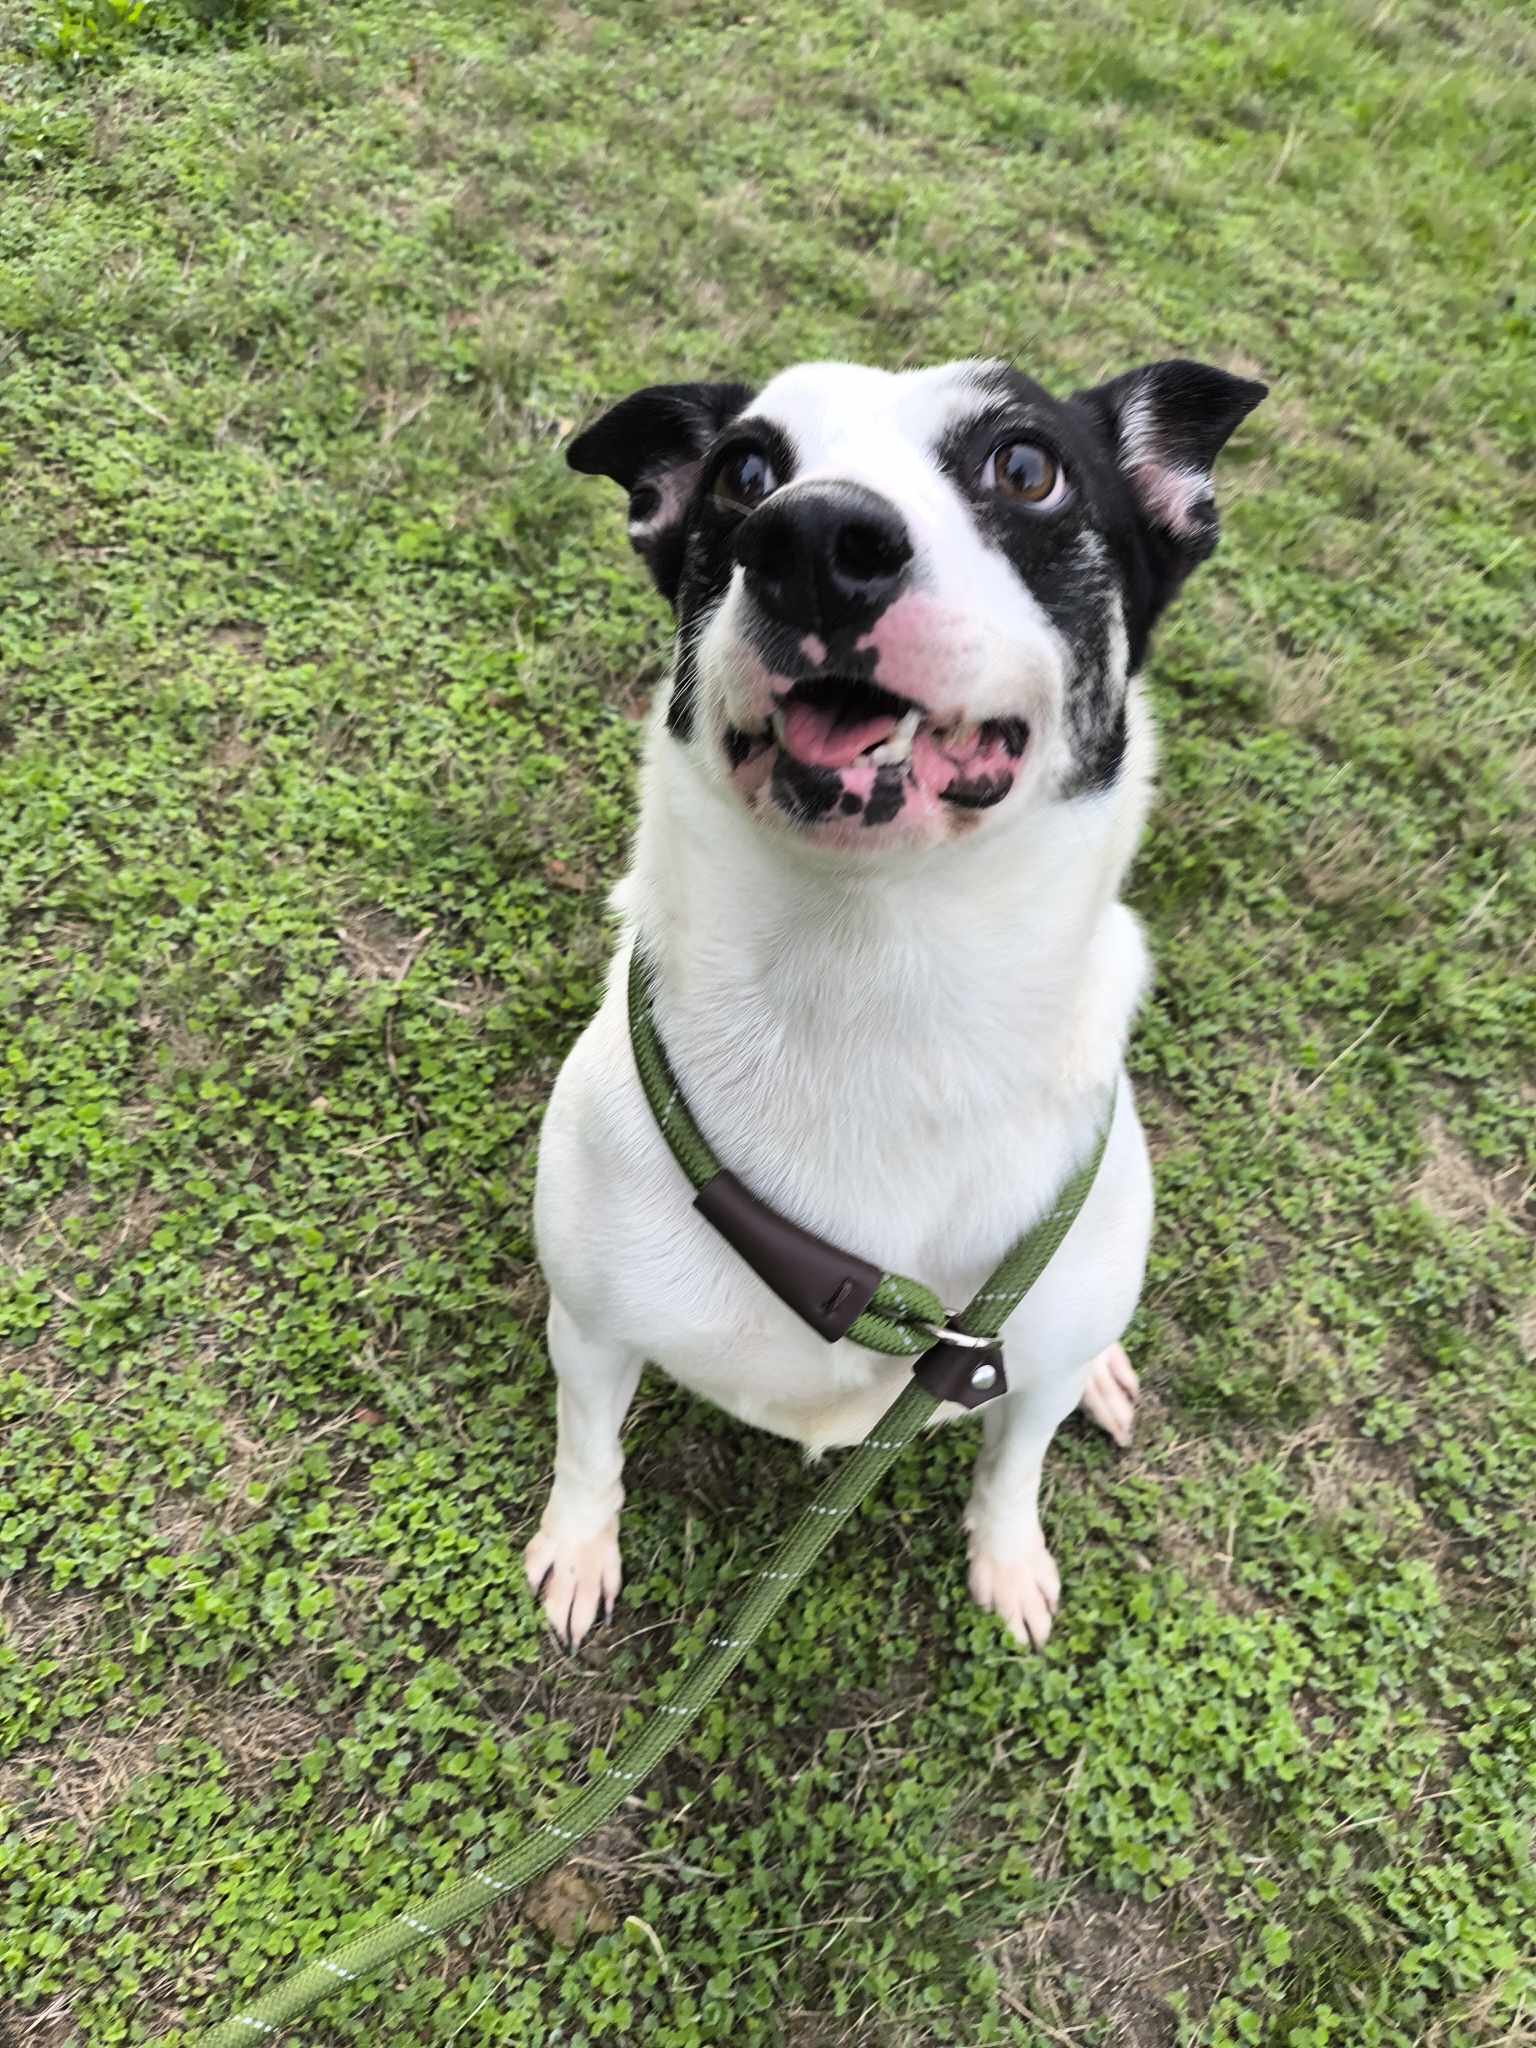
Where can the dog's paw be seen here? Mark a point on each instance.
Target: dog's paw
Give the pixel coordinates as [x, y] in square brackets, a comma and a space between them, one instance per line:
[1109, 1394]
[1022, 1590]
[575, 1582]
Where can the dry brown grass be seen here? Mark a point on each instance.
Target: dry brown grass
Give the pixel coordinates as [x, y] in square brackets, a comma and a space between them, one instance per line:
[1120, 1957]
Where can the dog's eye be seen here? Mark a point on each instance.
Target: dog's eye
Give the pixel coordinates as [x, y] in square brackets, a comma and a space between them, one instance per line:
[1021, 470]
[745, 478]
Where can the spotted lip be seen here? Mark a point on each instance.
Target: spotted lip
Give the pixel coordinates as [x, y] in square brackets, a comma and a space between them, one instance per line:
[842, 747]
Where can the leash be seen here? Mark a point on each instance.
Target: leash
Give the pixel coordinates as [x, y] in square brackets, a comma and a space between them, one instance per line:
[958, 1358]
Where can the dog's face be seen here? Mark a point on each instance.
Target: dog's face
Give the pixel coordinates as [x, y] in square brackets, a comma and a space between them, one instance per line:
[910, 603]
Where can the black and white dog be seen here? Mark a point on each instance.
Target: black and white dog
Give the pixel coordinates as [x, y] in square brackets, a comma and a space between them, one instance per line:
[888, 805]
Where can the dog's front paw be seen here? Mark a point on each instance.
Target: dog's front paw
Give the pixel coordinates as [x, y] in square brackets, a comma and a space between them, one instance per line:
[1023, 1590]
[1110, 1391]
[576, 1581]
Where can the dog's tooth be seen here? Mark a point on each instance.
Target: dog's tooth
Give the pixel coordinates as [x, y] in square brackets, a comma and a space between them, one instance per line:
[899, 746]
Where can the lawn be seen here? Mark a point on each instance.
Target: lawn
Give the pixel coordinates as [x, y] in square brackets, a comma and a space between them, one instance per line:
[320, 680]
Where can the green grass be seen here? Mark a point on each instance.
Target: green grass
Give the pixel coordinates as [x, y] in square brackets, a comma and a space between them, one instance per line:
[320, 678]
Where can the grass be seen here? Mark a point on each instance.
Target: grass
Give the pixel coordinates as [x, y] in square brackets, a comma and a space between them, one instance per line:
[320, 679]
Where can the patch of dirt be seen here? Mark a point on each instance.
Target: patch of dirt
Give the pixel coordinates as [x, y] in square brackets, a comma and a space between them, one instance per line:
[473, 998]
[1209, 1571]
[1347, 861]
[1167, 1123]
[1301, 689]
[251, 1737]
[571, 26]
[245, 1454]
[30, 1623]
[52, 2027]
[137, 1224]
[90, 1774]
[80, 1787]
[1375, 1480]
[1338, 1467]
[1456, 1190]
[232, 756]
[47, 1225]
[567, 1907]
[1120, 1957]
[378, 946]
[1381, 1464]
[180, 1524]
[240, 636]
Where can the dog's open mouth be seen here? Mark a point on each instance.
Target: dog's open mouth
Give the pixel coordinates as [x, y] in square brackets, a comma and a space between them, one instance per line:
[831, 722]
[838, 745]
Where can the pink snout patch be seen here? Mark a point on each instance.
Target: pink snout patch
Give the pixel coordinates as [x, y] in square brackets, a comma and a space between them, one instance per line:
[917, 646]
[851, 743]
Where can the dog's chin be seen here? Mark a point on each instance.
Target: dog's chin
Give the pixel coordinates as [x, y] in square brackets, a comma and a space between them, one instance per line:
[851, 766]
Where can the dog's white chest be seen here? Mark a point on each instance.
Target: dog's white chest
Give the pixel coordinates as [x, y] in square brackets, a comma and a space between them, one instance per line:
[926, 1169]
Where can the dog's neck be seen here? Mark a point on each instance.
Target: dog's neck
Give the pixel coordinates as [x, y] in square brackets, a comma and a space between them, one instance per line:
[994, 966]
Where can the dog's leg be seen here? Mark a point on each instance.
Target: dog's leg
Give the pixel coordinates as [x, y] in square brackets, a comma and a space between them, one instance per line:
[1109, 1394]
[1012, 1572]
[573, 1562]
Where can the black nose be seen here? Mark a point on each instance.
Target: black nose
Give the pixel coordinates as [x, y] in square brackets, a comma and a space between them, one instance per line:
[825, 555]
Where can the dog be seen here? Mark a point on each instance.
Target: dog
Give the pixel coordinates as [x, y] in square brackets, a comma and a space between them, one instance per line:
[889, 798]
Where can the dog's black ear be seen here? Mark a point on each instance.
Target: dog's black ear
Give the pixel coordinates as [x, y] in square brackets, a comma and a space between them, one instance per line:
[652, 443]
[1166, 424]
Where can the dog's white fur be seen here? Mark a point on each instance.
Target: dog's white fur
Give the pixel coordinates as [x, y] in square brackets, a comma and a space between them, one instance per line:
[906, 1052]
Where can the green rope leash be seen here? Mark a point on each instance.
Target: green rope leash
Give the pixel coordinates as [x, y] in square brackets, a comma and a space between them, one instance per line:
[891, 1324]
[578, 1814]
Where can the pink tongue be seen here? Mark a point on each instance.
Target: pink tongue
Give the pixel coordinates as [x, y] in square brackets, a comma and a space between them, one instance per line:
[812, 735]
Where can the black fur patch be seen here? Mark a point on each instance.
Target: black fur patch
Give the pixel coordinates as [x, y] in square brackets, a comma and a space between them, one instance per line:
[706, 561]
[1102, 559]
[702, 590]
[806, 793]
[649, 443]
[1099, 755]
[888, 794]
[1067, 557]
[980, 793]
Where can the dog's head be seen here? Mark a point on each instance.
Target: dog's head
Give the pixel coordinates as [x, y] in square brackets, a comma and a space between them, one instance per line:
[906, 602]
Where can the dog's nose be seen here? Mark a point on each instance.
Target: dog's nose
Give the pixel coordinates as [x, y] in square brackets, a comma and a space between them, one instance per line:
[825, 555]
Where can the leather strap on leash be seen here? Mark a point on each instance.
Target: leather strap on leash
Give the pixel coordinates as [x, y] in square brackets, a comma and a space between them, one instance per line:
[957, 1357]
[838, 1293]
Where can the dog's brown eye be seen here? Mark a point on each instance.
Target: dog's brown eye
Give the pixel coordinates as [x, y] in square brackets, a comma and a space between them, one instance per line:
[745, 479]
[1021, 470]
